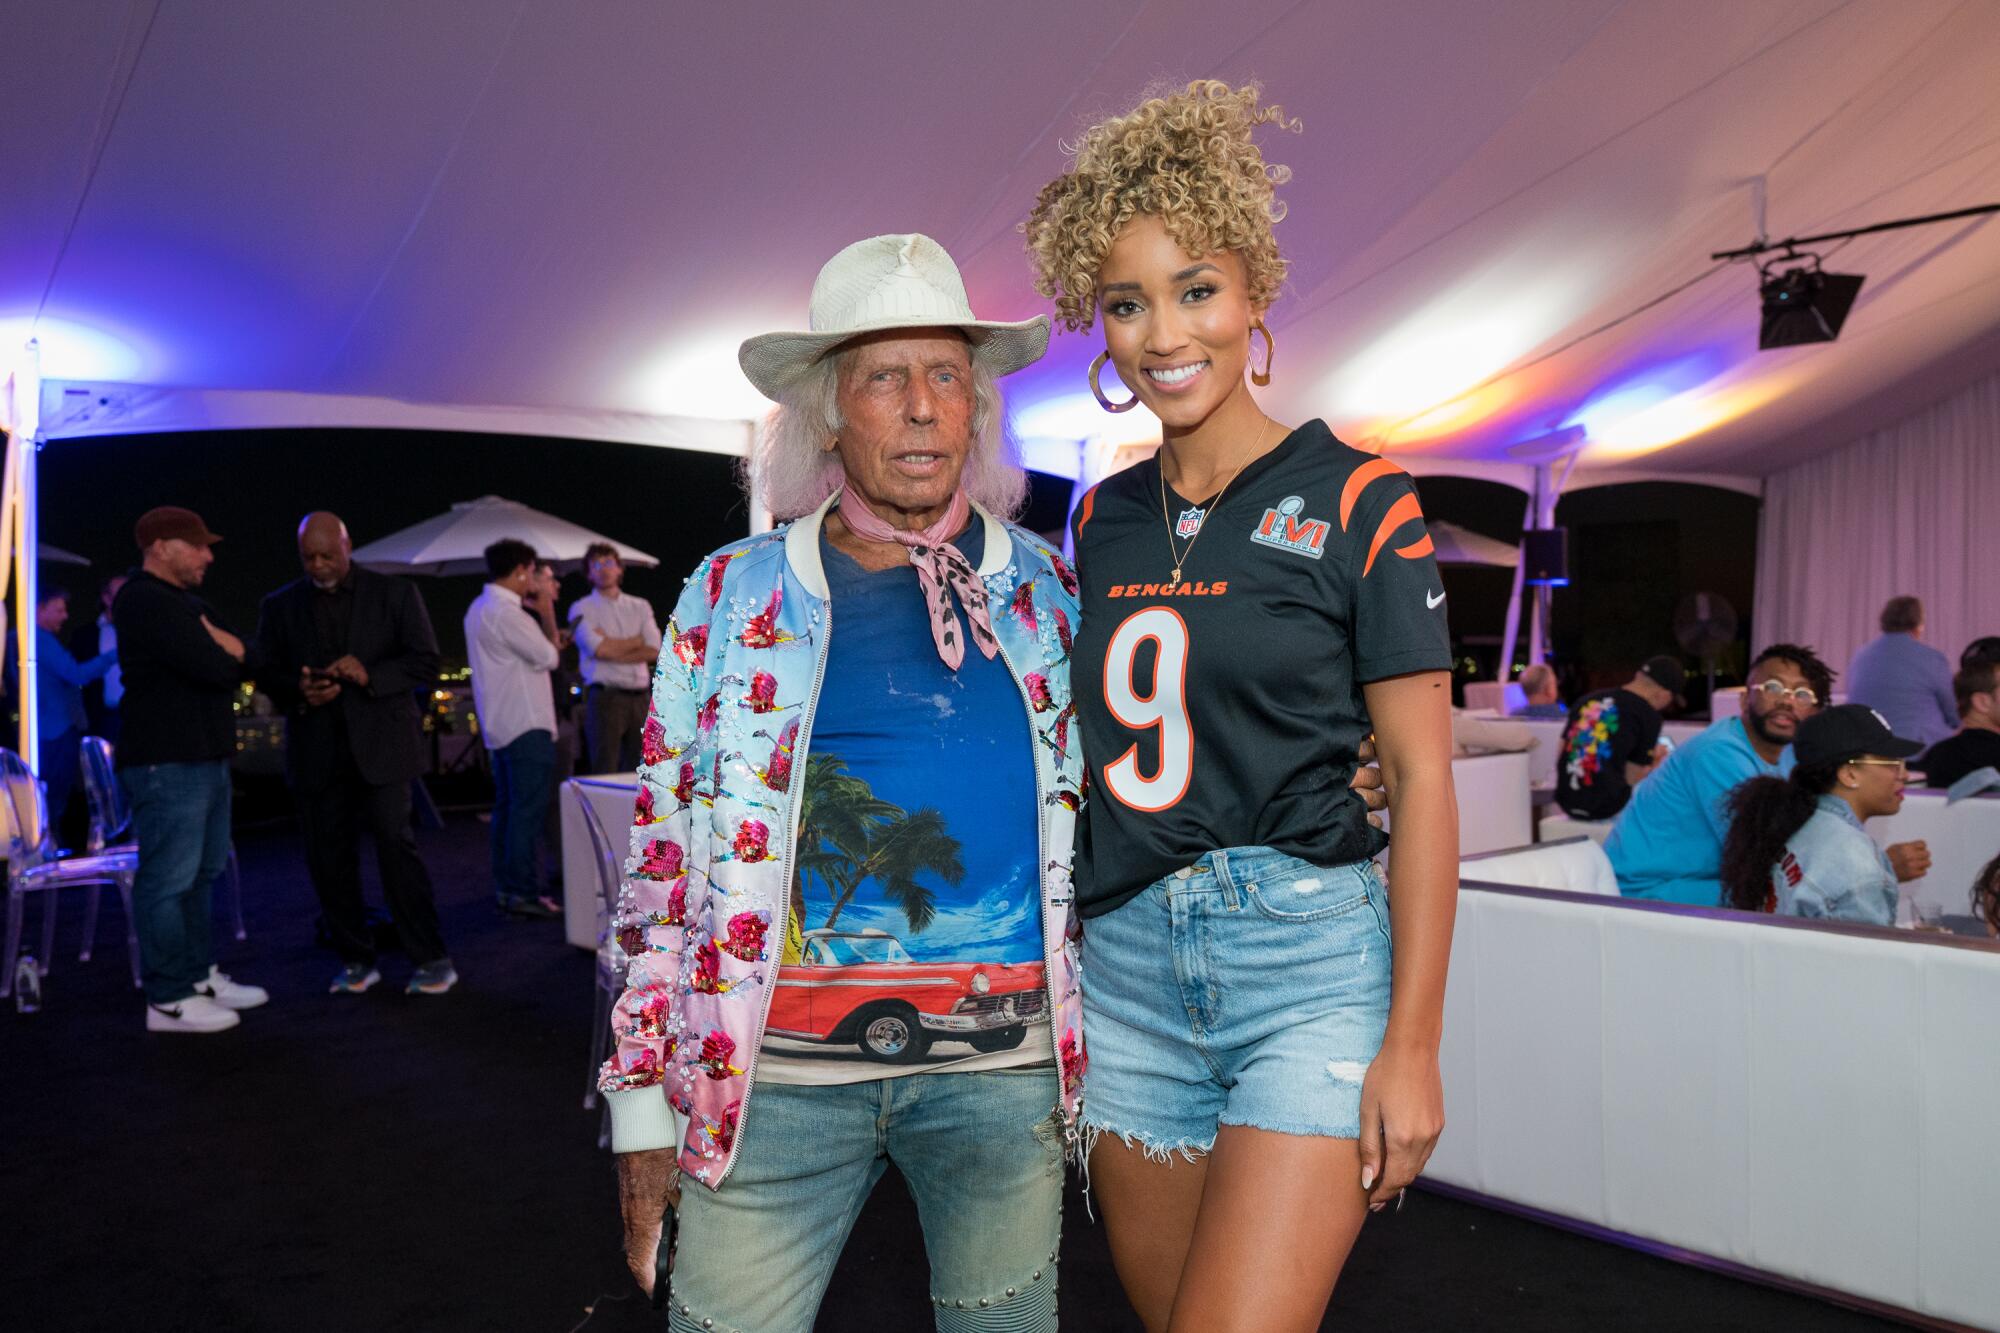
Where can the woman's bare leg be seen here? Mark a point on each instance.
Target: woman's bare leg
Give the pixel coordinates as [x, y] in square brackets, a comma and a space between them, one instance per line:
[1149, 1210]
[1278, 1215]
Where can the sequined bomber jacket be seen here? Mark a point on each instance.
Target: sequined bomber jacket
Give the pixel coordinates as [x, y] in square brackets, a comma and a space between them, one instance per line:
[700, 920]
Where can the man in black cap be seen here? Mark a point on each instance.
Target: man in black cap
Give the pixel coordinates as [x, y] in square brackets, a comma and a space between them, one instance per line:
[1612, 740]
[181, 672]
[1797, 844]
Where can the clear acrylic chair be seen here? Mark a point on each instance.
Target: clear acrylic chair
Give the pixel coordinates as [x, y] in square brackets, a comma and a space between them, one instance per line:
[33, 866]
[606, 857]
[111, 830]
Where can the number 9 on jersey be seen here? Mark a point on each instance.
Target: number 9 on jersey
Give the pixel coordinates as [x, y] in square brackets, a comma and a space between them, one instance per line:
[1164, 707]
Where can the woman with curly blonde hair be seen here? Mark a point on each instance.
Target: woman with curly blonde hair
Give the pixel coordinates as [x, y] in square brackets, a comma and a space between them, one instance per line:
[1256, 601]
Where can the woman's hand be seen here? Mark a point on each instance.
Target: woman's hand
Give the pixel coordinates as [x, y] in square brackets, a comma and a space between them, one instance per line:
[1367, 783]
[1402, 1114]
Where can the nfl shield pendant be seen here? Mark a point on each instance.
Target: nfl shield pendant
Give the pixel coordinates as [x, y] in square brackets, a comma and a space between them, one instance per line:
[1190, 522]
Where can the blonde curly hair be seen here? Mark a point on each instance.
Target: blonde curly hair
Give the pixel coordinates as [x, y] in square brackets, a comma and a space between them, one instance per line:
[1186, 158]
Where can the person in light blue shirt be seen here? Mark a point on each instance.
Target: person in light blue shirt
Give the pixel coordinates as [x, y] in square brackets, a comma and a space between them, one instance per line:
[1667, 843]
[1903, 678]
[1797, 845]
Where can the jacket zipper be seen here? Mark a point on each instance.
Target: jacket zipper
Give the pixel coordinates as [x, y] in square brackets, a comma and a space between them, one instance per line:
[785, 881]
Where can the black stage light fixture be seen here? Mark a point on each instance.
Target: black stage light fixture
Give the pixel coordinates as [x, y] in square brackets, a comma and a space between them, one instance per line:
[1804, 304]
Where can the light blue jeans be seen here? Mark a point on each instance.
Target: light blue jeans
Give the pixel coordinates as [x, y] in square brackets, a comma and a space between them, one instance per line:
[983, 1156]
[1249, 988]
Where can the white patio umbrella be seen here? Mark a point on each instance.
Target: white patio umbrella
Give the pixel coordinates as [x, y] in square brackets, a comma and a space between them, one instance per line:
[55, 555]
[1456, 546]
[455, 543]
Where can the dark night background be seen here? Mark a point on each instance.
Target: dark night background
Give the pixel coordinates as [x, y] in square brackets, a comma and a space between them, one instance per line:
[1635, 550]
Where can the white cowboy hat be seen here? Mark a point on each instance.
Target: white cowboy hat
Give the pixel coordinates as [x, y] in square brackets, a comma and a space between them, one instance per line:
[888, 282]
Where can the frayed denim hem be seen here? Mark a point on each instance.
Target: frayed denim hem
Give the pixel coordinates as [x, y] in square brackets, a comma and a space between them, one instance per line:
[1153, 1148]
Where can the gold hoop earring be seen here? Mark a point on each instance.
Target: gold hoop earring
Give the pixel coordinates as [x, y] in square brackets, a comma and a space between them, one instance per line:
[1260, 378]
[1098, 393]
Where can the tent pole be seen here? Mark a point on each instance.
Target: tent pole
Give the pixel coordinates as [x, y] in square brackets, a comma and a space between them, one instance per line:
[1513, 631]
[28, 423]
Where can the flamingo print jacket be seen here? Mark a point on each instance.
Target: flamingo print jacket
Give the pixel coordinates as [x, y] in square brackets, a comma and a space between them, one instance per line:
[701, 917]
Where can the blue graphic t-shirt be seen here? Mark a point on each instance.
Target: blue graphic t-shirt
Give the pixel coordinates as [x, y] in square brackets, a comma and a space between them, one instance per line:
[914, 941]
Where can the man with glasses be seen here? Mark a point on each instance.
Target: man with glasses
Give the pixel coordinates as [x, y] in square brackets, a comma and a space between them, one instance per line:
[1667, 844]
[617, 642]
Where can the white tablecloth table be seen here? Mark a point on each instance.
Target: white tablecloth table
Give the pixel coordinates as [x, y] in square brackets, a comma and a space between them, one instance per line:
[611, 796]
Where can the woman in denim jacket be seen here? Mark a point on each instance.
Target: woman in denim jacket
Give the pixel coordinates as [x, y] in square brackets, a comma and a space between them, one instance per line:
[1796, 844]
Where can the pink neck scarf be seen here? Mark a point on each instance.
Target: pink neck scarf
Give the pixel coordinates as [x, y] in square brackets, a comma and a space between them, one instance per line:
[940, 565]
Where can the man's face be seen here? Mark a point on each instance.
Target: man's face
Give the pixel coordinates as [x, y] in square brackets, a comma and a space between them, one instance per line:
[53, 614]
[606, 572]
[110, 593]
[544, 585]
[186, 563]
[326, 555]
[1774, 715]
[907, 403]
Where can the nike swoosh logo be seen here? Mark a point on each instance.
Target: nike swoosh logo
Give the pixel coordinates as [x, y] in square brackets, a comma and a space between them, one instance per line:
[1430, 601]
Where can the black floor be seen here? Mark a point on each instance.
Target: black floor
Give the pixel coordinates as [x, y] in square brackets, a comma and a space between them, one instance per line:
[388, 1162]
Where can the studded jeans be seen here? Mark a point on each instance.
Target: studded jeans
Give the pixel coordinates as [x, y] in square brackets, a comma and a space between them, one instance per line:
[982, 1154]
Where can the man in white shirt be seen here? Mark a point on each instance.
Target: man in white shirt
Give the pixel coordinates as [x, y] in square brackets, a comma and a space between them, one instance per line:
[617, 642]
[511, 657]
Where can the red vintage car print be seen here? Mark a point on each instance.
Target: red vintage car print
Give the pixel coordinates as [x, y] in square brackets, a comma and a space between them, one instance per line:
[862, 988]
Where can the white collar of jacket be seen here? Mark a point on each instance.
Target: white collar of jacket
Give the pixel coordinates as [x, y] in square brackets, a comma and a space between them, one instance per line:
[802, 546]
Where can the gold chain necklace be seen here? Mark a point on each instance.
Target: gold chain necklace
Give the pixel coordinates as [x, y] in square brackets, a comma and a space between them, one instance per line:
[1180, 556]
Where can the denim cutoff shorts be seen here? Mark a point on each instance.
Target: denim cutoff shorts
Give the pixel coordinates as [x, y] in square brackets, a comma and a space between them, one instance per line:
[1250, 988]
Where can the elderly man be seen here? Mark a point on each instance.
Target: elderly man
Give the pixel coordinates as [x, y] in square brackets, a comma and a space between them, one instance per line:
[1538, 683]
[1903, 678]
[851, 857]
[345, 651]
[849, 893]
[1667, 844]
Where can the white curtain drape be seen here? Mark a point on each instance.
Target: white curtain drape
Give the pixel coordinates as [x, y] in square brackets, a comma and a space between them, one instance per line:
[1911, 509]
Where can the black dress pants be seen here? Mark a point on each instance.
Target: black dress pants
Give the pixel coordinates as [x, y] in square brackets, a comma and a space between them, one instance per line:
[334, 817]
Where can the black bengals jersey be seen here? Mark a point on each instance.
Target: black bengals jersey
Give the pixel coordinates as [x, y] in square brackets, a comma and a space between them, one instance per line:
[1226, 710]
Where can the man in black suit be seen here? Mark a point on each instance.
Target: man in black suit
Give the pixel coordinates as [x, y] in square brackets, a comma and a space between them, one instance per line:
[346, 651]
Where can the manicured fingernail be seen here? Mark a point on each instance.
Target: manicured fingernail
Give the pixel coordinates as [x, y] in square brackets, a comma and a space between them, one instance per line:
[1377, 1207]
[1367, 1177]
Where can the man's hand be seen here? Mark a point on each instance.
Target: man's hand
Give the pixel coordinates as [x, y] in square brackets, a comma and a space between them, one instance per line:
[349, 669]
[1368, 783]
[224, 640]
[648, 1184]
[318, 690]
[1910, 860]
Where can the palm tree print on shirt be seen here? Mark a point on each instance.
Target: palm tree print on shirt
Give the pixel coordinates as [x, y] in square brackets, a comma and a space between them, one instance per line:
[848, 835]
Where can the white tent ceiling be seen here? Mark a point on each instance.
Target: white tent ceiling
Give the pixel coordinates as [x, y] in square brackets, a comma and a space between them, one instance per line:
[562, 218]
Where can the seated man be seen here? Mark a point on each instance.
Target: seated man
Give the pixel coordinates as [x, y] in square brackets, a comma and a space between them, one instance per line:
[1613, 740]
[1668, 842]
[1903, 678]
[1796, 845]
[1976, 744]
[1538, 682]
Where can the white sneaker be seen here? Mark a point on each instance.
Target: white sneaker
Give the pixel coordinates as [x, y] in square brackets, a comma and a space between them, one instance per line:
[197, 1013]
[230, 994]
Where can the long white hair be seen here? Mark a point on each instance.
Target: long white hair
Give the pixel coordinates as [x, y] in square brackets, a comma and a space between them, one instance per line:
[791, 470]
